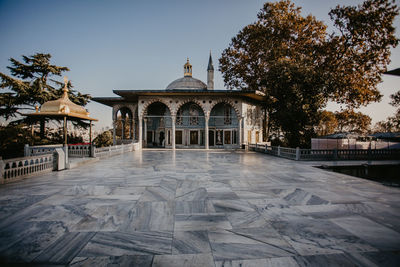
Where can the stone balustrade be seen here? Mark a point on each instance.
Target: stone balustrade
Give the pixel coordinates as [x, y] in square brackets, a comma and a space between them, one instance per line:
[327, 154]
[108, 151]
[13, 169]
[79, 151]
[40, 150]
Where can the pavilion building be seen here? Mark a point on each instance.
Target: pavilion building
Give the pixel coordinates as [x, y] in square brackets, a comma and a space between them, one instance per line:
[187, 114]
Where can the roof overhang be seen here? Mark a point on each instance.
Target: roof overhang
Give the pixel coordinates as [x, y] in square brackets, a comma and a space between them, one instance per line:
[109, 101]
[53, 115]
[128, 94]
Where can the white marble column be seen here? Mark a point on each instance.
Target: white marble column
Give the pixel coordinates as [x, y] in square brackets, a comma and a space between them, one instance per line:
[173, 117]
[240, 131]
[145, 132]
[130, 129]
[207, 118]
[140, 131]
[114, 132]
[123, 129]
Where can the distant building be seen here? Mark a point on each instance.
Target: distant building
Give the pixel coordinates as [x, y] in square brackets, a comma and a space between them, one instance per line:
[187, 114]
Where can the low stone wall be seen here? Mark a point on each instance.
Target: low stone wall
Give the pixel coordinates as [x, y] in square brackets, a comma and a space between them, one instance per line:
[40, 150]
[41, 159]
[327, 154]
[80, 151]
[14, 169]
[103, 152]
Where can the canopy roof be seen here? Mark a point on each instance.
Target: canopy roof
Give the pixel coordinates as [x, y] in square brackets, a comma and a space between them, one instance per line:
[62, 107]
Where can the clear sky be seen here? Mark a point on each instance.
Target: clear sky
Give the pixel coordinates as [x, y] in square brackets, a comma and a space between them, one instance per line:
[142, 44]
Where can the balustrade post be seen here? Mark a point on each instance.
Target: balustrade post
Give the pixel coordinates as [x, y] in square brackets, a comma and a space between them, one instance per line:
[335, 154]
[279, 151]
[66, 156]
[297, 153]
[26, 150]
[1, 170]
[93, 151]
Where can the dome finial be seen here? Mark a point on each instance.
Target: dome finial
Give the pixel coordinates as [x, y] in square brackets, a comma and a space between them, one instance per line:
[187, 69]
[65, 89]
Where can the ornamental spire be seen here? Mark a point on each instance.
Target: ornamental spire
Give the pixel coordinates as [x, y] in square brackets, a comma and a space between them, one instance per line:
[187, 69]
[210, 63]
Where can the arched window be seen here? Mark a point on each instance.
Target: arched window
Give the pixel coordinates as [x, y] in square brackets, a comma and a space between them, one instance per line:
[179, 120]
[227, 114]
[194, 115]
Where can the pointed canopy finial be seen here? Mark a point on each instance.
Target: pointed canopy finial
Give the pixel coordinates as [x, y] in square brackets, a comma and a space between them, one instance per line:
[187, 69]
[65, 90]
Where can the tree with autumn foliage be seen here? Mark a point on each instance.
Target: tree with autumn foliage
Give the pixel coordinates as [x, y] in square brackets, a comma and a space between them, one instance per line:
[300, 67]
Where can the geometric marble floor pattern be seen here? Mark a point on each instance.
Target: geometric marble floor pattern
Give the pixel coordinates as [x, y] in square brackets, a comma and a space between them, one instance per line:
[199, 208]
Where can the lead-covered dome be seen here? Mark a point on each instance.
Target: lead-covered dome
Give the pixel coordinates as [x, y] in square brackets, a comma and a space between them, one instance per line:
[187, 82]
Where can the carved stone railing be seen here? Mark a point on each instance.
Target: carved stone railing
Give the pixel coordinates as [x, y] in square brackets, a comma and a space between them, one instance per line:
[40, 150]
[13, 169]
[327, 154]
[79, 151]
[114, 150]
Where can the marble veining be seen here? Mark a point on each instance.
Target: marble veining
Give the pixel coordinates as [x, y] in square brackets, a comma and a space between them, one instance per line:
[198, 208]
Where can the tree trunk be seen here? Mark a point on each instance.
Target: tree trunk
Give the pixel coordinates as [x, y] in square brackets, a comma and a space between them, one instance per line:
[42, 128]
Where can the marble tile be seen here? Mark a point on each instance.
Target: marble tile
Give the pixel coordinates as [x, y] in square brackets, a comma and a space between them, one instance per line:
[105, 217]
[199, 194]
[340, 259]
[229, 245]
[312, 237]
[122, 261]
[244, 208]
[383, 258]
[64, 249]
[134, 243]
[11, 204]
[24, 241]
[190, 242]
[195, 222]
[190, 207]
[270, 262]
[249, 219]
[150, 216]
[299, 196]
[234, 205]
[187, 260]
[157, 193]
[222, 195]
[375, 234]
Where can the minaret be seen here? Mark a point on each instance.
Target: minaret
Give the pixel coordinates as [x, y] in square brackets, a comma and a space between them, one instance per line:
[210, 74]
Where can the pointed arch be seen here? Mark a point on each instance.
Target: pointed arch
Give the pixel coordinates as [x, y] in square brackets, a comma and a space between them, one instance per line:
[226, 101]
[155, 100]
[188, 100]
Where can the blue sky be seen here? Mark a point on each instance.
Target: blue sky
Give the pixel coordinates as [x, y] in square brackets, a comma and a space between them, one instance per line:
[142, 44]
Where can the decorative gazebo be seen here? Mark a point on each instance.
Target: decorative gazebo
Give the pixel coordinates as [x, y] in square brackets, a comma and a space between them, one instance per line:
[63, 108]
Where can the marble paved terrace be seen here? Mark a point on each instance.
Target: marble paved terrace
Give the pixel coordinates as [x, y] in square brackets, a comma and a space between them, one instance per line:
[197, 208]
